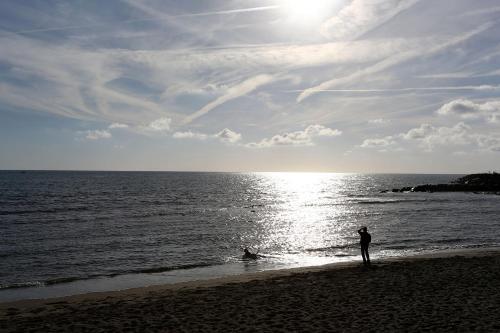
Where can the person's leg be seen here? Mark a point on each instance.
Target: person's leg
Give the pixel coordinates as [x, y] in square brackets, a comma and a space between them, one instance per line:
[363, 254]
[367, 255]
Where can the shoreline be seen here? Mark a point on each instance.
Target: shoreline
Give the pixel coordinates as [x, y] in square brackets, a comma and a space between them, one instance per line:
[455, 290]
[245, 277]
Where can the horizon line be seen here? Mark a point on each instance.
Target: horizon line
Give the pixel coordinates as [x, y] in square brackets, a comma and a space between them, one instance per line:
[219, 171]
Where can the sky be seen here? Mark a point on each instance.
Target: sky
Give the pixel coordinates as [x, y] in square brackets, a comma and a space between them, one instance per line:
[385, 86]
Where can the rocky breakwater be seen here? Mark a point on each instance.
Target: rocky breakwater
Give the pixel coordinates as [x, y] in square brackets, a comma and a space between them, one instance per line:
[479, 182]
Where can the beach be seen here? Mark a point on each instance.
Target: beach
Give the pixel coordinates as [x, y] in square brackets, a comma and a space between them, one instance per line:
[452, 291]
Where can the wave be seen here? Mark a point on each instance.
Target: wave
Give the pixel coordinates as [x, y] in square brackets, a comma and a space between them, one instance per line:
[333, 247]
[166, 268]
[451, 240]
[22, 285]
[46, 210]
[387, 201]
[50, 282]
[398, 247]
[342, 255]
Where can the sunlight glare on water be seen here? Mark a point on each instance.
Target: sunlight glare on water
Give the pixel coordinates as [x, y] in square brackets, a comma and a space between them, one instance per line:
[305, 214]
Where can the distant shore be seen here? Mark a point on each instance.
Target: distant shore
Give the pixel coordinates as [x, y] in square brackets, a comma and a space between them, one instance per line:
[446, 291]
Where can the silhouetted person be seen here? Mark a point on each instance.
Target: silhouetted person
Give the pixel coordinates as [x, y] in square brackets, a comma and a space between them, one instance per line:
[249, 255]
[365, 239]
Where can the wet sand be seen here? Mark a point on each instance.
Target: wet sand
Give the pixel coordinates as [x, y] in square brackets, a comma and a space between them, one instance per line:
[454, 292]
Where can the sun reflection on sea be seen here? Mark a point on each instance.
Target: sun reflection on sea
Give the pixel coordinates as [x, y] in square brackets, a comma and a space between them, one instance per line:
[303, 213]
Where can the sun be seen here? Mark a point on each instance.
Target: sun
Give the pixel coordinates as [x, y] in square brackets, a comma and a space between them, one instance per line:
[306, 11]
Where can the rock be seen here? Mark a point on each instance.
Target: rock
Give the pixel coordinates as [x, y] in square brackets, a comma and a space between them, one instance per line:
[480, 182]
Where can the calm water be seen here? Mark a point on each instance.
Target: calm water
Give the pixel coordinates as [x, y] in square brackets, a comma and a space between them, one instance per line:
[124, 229]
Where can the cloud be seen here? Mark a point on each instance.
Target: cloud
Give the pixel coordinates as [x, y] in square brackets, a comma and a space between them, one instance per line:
[298, 138]
[97, 134]
[409, 89]
[233, 92]
[421, 51]
[379, 121]
[117, 125]
[160, 124]
[440, 136]
[467, 109]
[226, 135]
[96, 25]
[71, 80]
[418, 133]
[427, 136]
[361, 16]
[378, 143]
[189, 135]
[488, 142]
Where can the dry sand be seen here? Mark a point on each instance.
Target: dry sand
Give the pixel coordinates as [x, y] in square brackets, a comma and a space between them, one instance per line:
[458, 292]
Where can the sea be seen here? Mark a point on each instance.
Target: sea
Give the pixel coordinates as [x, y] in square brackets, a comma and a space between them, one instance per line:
[67, 232]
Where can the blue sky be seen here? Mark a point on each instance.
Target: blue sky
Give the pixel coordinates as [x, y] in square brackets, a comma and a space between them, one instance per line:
[296, 85]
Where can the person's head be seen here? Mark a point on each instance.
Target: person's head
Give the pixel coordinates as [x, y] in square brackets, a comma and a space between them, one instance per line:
[365, 229]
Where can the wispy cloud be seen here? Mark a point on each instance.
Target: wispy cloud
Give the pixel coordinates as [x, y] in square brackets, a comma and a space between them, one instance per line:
[379, 121]
[233, 92]
[483, 87]
[79, 83]
[392, 61]
[96, 134]
[96, 25]
[361, 16]
[238, 74]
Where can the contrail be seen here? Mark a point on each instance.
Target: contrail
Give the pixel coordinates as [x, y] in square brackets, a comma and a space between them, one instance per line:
[231, 11]
[482, 87]
[84, 26]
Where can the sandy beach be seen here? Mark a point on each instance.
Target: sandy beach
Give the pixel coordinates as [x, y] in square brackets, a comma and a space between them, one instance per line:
[454, 292]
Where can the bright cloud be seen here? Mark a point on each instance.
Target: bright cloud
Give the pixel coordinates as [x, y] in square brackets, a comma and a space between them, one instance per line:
[379, 121]
[381, 143]
[189, 135]
[117, 125]
[429, 137]
[440, 136]
[418, 133]
[298, 138]
[226, 135]
[160, 124]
